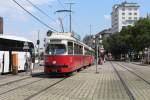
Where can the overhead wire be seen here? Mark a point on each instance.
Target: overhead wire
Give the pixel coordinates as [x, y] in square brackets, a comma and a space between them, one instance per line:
[40, 10]
[63, 18]
[61, 4]
[35, 16]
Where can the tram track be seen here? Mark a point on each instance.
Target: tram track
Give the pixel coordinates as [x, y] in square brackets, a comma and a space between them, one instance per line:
[17, 81]
[39, 92]
[134, 74]
[20, 86]
[14, 81]
[144, 65]
[135, 82]
[6, 76]
[139, 69]
[31, 86]
[129, 93]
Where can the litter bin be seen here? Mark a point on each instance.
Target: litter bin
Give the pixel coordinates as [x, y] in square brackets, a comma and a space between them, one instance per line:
[14, 64]
[15, 70]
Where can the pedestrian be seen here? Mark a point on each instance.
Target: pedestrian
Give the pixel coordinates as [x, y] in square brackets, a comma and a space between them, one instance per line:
[26, 67]
[28, 64]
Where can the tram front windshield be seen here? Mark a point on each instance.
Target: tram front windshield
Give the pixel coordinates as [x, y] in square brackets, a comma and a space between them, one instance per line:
[56, 49]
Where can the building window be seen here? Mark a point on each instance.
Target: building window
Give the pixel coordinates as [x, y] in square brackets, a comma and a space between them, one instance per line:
[130, 18]
[123, 13]
[135, 18]
[123, 22]
[124, 26]
[130, 21]
[135, 9]
[123, 9]
[135, 13]
[130, 13]
[129, 9]
[123, 17]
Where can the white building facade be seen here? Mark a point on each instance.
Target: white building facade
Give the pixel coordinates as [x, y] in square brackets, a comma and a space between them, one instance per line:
[124, 14]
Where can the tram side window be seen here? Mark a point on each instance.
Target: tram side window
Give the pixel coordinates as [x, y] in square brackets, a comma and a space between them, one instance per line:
[78, 49]
[81, 50]
[89, 52]
[70, 48]
[75, 49]
[86, 51]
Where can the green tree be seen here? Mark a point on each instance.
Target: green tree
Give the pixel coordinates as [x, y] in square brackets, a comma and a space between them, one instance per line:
[130, 39]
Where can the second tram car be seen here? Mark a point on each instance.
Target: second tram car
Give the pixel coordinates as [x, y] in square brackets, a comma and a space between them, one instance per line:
[65, 54]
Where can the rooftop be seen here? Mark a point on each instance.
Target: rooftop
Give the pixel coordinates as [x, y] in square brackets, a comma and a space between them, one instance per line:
[10, 37]
[126, 4]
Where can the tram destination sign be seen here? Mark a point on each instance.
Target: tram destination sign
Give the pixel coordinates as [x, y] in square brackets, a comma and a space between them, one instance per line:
[55, 41]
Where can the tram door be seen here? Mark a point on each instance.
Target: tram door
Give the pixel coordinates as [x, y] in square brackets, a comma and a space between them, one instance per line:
[6, 61]
[1, 61]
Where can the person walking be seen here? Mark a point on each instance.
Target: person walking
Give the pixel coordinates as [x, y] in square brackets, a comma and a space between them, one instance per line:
[28, 65]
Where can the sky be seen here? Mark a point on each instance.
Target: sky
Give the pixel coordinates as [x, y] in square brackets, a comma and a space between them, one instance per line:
[85, 12]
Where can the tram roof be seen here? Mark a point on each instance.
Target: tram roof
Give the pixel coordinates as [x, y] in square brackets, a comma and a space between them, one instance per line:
[67, 36]
[16, 38]
[62, 36]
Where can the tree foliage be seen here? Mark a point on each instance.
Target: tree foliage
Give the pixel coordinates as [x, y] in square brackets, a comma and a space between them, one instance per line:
[130, 39]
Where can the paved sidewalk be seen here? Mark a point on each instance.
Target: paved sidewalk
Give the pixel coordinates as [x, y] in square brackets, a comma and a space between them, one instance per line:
[22, 75]
[87, 85]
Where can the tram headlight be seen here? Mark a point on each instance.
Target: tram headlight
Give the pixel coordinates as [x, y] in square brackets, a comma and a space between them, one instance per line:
[54, 62]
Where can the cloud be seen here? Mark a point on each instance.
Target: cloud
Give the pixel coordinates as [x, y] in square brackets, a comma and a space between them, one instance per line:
[31, 35]
[13, 15]
[10, 9]
[107, 17]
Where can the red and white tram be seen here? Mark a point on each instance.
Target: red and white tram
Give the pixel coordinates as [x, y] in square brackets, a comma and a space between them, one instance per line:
[65, 54]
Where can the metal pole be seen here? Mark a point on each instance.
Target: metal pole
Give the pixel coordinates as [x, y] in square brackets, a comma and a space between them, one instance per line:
[96, 58]
[96, 48]
[27, 66]
[61, 24]
[70, 16]
[39, 47]
[90, 43]
[148, 54]
[90, 29]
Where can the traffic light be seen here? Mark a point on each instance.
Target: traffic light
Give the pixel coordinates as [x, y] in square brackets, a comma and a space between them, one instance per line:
[49, 33]
[38, 42]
